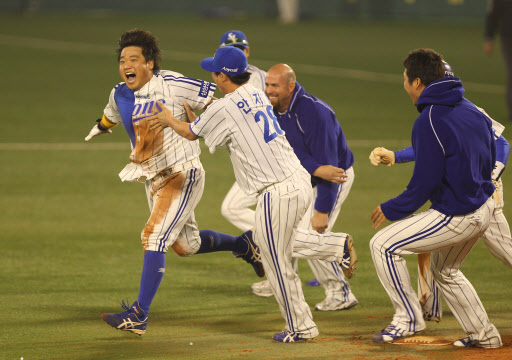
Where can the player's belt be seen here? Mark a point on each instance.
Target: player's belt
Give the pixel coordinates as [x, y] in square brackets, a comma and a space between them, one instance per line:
[293, 177]
[275, 185]
[194, 163]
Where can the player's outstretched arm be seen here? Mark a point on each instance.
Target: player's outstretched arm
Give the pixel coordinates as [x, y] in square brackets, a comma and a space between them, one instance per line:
[331, 173]
[383, 156]
[165, 118]
[103, 126]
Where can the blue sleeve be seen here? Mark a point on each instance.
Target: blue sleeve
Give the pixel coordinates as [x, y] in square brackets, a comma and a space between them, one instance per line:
[502, 150]
[428, 172]
[320, 138]
[405, 155]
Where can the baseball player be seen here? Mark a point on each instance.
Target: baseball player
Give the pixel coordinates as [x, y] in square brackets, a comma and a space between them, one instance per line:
[497, 237]
[455, 152]
[236, 207]
[264, 163]
[316, 137]
[167, 164]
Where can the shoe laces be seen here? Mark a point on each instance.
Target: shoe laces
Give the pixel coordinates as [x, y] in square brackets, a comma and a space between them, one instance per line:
[126, 305]
[253, 253]
[393, 331]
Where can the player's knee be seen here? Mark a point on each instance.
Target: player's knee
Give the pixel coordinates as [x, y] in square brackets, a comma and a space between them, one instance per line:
[227, 210]
[377, 243]
[183, 249]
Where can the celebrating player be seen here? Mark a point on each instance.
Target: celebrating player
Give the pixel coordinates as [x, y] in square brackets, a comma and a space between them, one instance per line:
[497, 237]
[315, 135]
[167, 164]
[318, 117]
[455, 152]
[236, 205]
[264, 163]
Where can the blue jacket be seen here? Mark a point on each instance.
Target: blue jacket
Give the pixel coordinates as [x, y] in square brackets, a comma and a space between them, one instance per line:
[454, 150]
[316, 137]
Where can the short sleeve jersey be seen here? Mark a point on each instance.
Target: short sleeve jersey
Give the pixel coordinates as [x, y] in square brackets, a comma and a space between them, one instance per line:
[244, 122]
[257, 78]
[154, 151]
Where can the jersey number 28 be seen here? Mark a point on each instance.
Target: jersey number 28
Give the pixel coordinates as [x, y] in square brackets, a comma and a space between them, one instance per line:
[268, 133]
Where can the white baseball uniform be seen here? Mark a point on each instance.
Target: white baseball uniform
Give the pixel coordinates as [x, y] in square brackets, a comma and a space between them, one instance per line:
[265, 164]
[427, 232]
[167, 163]
[236, 208]
[497, 238]
[236, 205]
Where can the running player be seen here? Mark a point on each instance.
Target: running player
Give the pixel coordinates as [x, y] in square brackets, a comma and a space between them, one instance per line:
[264, 163]
[167, 164]
[236, 207]
[455, 152]
[314, 133]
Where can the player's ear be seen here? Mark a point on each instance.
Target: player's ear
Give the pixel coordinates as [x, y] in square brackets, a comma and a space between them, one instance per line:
[292, 86]
[151, 65]
[247, 52]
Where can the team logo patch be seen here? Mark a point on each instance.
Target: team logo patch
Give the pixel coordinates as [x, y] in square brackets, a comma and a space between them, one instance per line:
[204, 89]
[229, 70]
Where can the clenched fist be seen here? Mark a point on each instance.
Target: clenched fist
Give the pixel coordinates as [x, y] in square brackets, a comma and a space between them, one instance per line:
[382, 156]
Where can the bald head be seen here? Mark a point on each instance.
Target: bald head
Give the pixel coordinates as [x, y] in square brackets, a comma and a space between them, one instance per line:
[279, 86]
[284, 71]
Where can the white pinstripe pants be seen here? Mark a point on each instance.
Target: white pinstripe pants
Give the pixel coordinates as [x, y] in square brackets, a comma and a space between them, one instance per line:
[324, 264]
[278, 214]
[449, 239]
[497, 239]
[172, 199]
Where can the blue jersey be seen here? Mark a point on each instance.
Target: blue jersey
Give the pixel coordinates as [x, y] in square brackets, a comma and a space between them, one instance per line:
[454, 150]
[316, 136]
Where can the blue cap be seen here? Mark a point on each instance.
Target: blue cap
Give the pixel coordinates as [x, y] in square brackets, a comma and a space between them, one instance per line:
[228, 60]
[448, 72]
[234, 37]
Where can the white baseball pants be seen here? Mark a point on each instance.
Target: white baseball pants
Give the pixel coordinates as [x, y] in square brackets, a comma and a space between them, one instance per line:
[449, 239]
[278, 214]
[172, 199]
[498, 240]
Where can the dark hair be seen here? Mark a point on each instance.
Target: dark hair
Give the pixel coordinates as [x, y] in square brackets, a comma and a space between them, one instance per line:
[238, 79]
[146, 41]
[425, 64]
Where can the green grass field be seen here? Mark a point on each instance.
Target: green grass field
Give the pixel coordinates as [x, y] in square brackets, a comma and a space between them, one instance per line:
[71, 229]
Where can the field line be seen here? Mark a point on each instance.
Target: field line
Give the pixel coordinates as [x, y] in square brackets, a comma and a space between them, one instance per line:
[184, 56]
[113, 146]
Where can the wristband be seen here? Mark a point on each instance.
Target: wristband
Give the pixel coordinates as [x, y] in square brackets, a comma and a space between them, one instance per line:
[104, 124]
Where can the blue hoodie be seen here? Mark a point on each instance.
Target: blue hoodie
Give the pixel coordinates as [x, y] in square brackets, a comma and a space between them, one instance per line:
[316, 137]
[455, 152]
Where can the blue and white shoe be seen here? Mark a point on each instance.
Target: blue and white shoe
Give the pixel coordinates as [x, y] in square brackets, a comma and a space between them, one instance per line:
[348, 263]
[492, 343]
[391, 333]
[252, 256]
[133, 319]
[465, 342]
[288, 337]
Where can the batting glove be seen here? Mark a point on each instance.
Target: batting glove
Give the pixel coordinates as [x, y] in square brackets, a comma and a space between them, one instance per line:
[382, 156]
[95, 131]
[499, 167]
